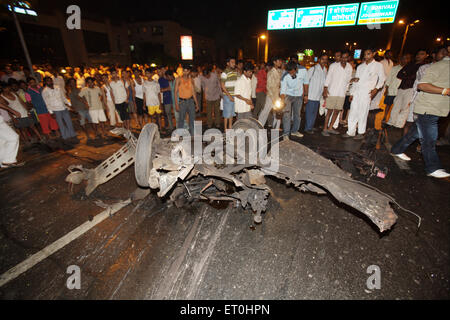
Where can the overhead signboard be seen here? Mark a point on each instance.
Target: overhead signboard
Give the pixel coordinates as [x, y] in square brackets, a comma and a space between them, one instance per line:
[378, 12]
[312, 17]
[186, 48]
[342, 15]
[281, 19]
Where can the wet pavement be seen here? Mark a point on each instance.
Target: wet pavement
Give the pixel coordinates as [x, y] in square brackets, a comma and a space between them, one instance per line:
[308, 246]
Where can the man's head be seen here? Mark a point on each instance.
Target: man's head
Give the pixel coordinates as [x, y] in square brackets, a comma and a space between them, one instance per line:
[136, 72]
[441, 53]
[248, 69]
[14, 84]
[31, 82]
[338, 56]
[8, 70]
[114, 73]
[48, 82]
[277, 62]
[207, 71]
[388, 54]
[405, 59]
[90, 82]
[22, 85]
[421, 55]
[149, 73]
[345, 55]
[240, 64]
[186, 70]
[369, 55]
[291, 68]
[231, 63]
[323, 59]
[293, 58]
[72, 83]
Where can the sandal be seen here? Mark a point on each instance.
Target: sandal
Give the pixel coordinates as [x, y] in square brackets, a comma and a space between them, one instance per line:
[12, 165]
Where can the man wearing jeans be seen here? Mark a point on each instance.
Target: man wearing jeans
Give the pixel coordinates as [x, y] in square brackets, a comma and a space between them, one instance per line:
[185, 90]
[432, 102]
[293, 84]
[317, 76]
[56, 103]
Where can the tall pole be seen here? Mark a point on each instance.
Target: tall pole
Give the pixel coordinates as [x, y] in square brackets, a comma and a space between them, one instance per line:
[22, 40]
[266, 50]
[257, 51]
[404, 40]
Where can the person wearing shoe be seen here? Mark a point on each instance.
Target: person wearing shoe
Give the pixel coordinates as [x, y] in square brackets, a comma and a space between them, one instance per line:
[294, 85]
[336, 84]
[369, 79]
[317, 76]
[432, 102]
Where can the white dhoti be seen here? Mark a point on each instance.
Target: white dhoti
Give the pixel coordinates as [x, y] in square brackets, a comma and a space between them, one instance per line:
[112, 114]
[400, 110]
[375, 104]
[359, 110]
[9, 143]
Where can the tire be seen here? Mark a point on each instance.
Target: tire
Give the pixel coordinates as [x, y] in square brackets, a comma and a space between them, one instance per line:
[245, 124]
[145, 152]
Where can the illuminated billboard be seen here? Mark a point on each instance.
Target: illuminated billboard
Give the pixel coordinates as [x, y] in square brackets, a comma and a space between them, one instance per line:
[342, 15]
[378, 12]
[312, 17]
[186, 48]
[281, 19]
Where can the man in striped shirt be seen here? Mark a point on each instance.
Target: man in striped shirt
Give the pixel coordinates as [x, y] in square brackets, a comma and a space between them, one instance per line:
[228, 81]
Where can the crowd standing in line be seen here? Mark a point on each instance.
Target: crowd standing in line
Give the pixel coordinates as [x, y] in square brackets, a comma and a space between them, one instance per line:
[36, 105]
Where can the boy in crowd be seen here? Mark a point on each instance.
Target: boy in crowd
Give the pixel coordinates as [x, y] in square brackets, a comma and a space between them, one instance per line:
[152, 98]
[243, 93]
[94, 99]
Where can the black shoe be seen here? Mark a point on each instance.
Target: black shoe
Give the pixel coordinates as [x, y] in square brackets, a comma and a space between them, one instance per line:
[309, 132]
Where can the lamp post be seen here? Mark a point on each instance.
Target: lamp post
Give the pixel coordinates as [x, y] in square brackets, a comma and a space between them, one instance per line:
[406, 33]
[263, 36]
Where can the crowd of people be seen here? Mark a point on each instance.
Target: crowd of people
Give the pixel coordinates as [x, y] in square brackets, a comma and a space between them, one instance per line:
[39, 104]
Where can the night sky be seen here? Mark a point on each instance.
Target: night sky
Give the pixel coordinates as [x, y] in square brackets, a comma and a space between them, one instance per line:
[235, 24]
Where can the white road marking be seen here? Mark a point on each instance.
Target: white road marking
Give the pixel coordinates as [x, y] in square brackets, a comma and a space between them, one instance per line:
[22, 267]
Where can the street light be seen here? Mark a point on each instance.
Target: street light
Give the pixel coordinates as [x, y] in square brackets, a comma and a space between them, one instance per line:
[263, 37]
[406, 32]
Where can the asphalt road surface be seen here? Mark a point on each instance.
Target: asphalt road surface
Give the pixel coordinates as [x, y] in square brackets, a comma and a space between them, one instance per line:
[308, 246]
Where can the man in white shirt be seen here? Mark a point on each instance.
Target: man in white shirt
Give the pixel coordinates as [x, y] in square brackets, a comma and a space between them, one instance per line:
[392, 82]
[369, 79]
[243, 104]
[387, 64]
[317, 76]
[56, 104]
[336, 84]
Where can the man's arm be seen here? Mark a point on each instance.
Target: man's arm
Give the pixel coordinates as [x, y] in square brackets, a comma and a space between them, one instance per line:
[175, 93]
[13, 112]
[194, 95]
[430, 88]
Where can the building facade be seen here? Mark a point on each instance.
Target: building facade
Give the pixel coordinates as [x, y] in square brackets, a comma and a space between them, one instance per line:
[161, 40]
[49, 40]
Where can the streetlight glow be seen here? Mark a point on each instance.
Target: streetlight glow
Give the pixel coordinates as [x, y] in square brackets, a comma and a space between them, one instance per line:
[263, 36]
[401, 22]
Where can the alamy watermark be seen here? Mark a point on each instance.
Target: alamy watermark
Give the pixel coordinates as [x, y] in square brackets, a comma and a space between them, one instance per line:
[374, 280]
[74, 280]
[236, 146]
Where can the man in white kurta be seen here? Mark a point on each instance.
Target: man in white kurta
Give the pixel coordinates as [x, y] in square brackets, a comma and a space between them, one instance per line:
[369, 79]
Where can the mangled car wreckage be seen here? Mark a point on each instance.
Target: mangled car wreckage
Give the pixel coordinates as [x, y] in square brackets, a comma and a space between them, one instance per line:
[173, 167]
